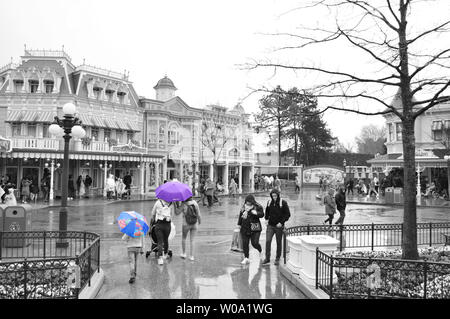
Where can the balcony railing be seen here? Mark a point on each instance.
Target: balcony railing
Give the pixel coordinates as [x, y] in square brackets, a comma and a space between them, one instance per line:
[35, 143]
[94, 146]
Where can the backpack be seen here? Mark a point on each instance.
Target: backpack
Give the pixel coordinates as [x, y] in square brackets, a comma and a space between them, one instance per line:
[191, 215]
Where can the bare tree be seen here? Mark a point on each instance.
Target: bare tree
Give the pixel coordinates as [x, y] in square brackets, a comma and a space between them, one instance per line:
[371, 139]
[406, 59]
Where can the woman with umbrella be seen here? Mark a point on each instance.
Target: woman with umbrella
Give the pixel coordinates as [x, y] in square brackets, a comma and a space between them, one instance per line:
[162, 213]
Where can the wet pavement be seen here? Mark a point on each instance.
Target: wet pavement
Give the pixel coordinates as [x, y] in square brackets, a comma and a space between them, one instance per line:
[216, 272]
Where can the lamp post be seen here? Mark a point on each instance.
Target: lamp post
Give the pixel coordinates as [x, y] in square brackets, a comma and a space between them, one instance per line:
[66, 127]
[105, 169]
[52, 178]
[447, 158]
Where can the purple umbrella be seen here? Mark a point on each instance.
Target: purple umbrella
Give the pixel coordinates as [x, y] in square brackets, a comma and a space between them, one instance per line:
[173, 192]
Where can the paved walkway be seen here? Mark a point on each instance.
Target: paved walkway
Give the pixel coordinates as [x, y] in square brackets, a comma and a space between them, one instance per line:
[422, 202]
[216, 272]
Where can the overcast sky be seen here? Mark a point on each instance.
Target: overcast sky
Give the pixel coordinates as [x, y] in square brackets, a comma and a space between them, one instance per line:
[197, 43]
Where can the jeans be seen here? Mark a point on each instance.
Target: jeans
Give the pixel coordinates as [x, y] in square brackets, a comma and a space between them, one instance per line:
[341, 217]
[192, 230]
[278, 232]
[162, 231]
[329, 219]
[254, 238]
[132, 260]
[210, 200]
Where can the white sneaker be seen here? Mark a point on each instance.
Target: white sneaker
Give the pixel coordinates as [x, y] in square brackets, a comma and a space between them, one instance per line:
[245, 261]
[191, 258]
[160, 261]
[183, 256]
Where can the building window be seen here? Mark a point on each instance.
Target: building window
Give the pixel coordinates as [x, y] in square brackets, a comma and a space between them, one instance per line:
[107, 134]
[391, 132]
[173, 135]
[109, 95]
[162, 133]
[18, 86]
[437, 135]
[32, 130]
[45, 132]
[34, 85]
[152, 127]
[97, 93]
[398, 128]
[16, 129]
[121, 97]
[49, 86]
[94, 133]
[119, 136]
[130, 136]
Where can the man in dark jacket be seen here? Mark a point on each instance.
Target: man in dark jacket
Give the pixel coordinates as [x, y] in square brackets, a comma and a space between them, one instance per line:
[127, 181]
[341, 203]
[277, 213]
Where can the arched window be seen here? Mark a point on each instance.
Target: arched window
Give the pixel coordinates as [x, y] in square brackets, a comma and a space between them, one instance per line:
[173, 134]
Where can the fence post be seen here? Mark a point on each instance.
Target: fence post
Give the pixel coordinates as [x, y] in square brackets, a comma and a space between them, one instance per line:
[331, 277]
[307, 230]
[89, 266]
[431, 234]
[25, 279]
[425, 275]
[1, 244]
[77, 290]
[373, 236]
[98, 257]
[317, 267]
[401, 236]
[45, 246]
[284, 245]
[84, 240]
[341, 229]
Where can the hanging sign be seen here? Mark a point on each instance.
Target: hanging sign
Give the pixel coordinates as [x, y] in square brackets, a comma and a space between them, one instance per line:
[5, 145]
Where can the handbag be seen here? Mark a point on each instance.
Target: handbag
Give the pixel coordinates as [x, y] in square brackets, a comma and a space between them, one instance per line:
[236, 241]
[255, 227]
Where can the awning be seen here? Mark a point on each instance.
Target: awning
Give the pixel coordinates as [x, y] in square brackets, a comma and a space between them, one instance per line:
[437, 126]
[123, 124]
[97, 121]
[133, 126]
[112, 124]
[46, 117]
[30, 116]
[14, 116]
[85, 119]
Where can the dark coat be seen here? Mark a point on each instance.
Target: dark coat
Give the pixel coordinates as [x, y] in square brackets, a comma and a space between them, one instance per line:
[251, 218]
[277, 211]
[341, 202]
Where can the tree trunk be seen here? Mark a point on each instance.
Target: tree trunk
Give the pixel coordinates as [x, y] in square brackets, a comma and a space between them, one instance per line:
[279, 142]
[409, 235]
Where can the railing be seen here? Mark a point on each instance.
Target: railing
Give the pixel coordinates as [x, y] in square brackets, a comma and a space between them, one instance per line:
[350, 277]
[8, 67]
[35, 143]
[94, 69]
[37, 269]
[372, 235]
[48, 53]
[95, 146]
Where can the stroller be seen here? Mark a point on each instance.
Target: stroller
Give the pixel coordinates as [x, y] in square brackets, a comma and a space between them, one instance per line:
[154, 245]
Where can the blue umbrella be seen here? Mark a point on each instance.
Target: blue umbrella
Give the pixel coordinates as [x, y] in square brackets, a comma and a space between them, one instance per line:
[173, 192]
[133, 224]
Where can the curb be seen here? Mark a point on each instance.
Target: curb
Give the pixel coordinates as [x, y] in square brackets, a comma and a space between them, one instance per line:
[96, 283]
[309, 291]
[394, 204]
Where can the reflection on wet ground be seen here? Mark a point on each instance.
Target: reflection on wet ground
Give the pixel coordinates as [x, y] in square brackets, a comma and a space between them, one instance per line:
[216, 272]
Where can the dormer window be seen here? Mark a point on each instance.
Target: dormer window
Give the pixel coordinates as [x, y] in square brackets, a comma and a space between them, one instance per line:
[121, 97]
[18, 86]
[97, 92]
[34, 85]
[49, 85]
[109, 95]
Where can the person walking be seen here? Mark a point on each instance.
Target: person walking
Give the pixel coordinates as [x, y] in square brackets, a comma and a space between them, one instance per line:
[161, 217]
[277, 184]
[87, 185]
[79, 182]
[298, 182]
[135, 246]
[110, 187]
[330, 206]
[341, 203]
[250, 226]
[232, 188]
[71, 188]
[277, 213]
[201, 191]
[350, 185]
[25, 191]
[34, 191]
[45, 186]
[127, 180]
[372, 188]
[119, 188]
[191, 220]
[209, 191]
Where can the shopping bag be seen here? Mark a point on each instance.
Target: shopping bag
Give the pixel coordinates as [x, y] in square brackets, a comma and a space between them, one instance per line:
[236, 242]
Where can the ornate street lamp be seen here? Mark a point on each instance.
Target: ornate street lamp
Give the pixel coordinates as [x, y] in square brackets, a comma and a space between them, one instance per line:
[66, 127]
[447, 158]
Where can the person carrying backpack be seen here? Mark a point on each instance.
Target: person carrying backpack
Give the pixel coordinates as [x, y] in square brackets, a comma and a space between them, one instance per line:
[191, 220]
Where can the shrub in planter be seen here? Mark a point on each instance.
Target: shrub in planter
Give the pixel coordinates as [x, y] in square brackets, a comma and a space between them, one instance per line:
[112, 142]
[86, 141]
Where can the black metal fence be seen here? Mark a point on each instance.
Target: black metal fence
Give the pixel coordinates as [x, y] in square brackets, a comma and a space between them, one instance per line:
[35, 268]
[371, 235]
[350, 277]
